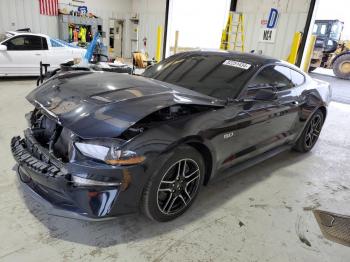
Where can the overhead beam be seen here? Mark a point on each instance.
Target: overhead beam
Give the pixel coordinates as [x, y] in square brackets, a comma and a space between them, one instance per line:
[165, 35]
[306, 32]
[233, 5]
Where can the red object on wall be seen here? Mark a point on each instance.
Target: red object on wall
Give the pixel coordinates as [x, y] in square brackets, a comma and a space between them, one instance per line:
[48, 7]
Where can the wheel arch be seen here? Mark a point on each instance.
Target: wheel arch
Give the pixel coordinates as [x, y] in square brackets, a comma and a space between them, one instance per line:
[203, 148]
[339, 55]
[323, 109]
[207, 157]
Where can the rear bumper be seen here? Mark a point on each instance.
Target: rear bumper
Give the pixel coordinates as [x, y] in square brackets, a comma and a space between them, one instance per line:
[49, 181]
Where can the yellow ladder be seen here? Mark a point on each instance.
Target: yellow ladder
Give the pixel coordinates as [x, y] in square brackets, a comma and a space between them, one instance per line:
[232, 37]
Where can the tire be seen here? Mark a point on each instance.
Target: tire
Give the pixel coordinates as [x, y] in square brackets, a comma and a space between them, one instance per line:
[164, 197]
[341, 66]
[310, 134]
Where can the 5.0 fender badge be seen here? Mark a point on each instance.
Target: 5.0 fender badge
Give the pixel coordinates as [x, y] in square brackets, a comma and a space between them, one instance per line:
[229, 135]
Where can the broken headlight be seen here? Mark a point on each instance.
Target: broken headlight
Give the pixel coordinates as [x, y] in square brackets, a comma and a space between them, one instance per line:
[109, 152]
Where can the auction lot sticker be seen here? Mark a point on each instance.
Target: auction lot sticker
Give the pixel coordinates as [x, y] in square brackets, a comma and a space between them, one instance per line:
[238, 64]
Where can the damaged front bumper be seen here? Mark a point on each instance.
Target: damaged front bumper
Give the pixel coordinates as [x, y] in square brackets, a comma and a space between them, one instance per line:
[83, 190]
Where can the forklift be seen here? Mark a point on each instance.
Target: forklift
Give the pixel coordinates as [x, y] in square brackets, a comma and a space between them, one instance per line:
[329, 51]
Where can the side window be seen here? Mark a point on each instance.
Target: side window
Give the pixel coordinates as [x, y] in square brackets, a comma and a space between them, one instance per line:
[297, 78]
[272, 77]
[26, 43]
[323, 29]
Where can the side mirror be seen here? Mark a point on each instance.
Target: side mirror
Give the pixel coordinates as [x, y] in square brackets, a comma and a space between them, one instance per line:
[3, 47]
[266, 95]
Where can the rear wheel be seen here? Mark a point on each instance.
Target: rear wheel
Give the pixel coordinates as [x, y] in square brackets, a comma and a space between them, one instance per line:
[172, 190]
[341, 66]
[310, 134]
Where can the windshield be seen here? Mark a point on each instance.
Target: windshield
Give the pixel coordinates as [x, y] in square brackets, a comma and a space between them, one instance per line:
[213, 75]
[320, 29]
[336, 30]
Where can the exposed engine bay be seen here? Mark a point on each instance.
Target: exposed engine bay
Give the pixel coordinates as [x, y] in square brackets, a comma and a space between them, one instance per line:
[59, 140]
[164, 114]
[50, 135]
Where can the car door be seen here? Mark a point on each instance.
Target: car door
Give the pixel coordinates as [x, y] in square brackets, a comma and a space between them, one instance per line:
[260, 125]
[23, 55]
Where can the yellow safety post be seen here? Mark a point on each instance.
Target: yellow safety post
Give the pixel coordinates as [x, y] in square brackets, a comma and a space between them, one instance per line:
[176, 41]
[159, 43]
[292, 58]
[309, 51]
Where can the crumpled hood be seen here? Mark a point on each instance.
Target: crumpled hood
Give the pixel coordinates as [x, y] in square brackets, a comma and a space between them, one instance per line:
[103, 104]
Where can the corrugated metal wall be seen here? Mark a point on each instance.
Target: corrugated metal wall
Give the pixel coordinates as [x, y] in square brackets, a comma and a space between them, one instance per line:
[152, 15]
[292, 18]
[15, 14]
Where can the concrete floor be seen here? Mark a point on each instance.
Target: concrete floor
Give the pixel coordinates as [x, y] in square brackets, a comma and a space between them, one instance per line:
[257, 215]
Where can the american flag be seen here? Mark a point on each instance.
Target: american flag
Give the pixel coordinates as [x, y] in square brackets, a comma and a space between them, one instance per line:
[48, 7]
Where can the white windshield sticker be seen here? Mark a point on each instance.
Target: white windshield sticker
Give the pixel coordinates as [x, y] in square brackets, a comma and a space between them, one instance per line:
[238, 64]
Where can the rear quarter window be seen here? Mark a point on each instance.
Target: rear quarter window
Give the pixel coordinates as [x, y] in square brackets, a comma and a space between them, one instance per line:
[297, 78]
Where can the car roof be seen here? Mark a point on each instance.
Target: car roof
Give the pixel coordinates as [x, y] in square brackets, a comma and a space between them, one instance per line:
[15, 33]
[251, 58]
[257, 60]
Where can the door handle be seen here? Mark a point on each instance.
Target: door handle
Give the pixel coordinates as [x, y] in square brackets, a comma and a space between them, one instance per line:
[38, 54]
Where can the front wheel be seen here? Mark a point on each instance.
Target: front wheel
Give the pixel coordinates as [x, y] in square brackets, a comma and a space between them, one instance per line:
[310, 134]
[341, 66]
[172, 190]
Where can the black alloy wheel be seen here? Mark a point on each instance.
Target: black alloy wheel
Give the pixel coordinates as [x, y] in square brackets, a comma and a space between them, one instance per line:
[173, 188]
[178, 186]
[311, 132]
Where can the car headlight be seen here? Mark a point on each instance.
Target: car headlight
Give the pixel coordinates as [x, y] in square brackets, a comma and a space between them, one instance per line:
[109, 152]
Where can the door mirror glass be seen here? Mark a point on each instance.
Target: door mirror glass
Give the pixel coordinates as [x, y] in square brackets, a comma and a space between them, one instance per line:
[3, 47]
[265, 95]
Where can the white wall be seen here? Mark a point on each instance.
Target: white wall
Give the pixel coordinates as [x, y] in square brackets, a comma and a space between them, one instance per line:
[151, 15]
[15, 14]
[292, 18]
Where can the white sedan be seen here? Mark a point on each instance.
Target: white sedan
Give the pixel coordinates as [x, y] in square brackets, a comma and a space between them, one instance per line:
[21, 54]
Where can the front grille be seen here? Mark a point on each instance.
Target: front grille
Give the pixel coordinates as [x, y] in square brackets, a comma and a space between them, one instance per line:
[50, 135]
[34, 159]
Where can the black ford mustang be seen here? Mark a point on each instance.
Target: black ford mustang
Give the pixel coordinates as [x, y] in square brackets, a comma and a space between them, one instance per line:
[102, 144]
